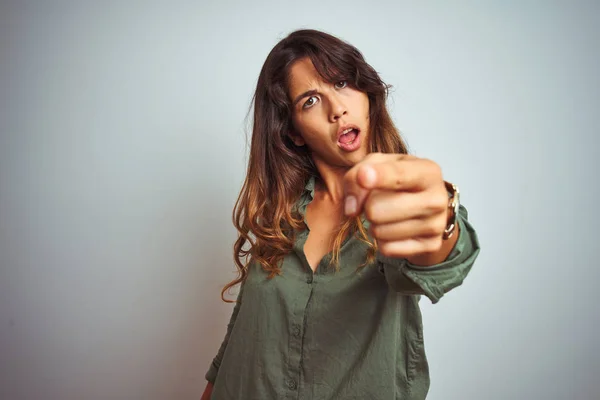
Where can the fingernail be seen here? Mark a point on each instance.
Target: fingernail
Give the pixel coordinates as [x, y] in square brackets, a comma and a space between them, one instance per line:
[350, 206]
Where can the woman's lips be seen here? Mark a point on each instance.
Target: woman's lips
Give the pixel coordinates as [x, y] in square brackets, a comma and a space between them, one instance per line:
[350, 141]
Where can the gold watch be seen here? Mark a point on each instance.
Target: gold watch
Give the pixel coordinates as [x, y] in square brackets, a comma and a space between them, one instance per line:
[453, 205]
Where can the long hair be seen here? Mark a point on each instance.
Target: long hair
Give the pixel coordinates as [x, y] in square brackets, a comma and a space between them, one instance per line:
[278, 170]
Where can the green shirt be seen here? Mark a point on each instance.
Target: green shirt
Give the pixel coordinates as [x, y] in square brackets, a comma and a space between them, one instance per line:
[335, 335]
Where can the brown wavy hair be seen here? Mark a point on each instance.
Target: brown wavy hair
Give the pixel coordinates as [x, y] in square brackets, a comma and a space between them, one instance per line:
[277, 172]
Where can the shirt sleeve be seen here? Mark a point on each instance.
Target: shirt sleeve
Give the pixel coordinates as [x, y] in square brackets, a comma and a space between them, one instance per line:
[435, 280]
[211, 374]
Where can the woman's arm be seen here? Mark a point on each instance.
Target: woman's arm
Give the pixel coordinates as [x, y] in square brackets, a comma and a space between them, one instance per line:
[213, 370]
[435, 280]
[207, 391]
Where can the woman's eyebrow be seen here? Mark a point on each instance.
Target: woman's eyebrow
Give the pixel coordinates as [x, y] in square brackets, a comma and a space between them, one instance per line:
[303, 95]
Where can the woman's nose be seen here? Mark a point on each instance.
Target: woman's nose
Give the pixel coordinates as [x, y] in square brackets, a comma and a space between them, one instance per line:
[338, 109]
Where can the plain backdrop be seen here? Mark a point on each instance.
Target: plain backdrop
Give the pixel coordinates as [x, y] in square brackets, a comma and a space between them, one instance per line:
[123, 148]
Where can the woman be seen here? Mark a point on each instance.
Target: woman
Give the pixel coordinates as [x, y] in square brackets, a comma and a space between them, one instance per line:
[340, 232]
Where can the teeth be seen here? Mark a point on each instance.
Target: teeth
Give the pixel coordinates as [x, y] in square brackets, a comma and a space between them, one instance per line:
[347, 131]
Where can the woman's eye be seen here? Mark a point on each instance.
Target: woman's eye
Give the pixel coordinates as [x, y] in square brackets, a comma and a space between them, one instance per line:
[310, 102]
[341, 84]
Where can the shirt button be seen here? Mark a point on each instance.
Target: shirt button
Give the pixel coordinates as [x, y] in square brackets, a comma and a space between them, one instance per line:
[296, 331]
[292, 384]
[309, 279]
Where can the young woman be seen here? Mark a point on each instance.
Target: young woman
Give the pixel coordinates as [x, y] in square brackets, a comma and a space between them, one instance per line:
[340, 232]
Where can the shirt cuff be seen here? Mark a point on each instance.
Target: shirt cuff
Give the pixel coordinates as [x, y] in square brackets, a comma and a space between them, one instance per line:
[211, 375]
[435, 280]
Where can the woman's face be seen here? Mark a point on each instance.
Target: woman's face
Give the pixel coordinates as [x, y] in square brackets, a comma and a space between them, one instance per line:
[331, 119]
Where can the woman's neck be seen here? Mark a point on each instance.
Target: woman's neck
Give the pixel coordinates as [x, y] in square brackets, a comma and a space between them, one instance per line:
[330, 186]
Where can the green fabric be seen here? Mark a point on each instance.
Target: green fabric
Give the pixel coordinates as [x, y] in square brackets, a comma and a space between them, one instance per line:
[335, 335]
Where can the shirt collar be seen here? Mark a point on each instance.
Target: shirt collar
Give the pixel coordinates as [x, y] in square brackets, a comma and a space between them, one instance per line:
[308, 194]
[309, 188]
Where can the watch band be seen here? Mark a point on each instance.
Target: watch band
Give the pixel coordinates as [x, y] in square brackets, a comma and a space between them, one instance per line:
[453, 205]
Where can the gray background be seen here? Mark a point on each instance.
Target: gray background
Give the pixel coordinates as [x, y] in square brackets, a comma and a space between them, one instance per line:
[122, 150]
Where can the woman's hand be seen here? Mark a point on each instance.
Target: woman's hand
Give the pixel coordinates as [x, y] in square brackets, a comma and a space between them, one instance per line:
[406, 202]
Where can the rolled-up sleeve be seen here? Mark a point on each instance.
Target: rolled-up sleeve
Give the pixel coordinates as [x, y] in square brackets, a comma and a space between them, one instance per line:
[435, 280]
[211, 374]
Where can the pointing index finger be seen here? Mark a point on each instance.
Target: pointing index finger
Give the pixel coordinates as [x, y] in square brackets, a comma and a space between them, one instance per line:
[402, 173]
[354, 192]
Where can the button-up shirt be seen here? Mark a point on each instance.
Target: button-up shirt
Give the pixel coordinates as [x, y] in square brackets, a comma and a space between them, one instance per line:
[354, 333]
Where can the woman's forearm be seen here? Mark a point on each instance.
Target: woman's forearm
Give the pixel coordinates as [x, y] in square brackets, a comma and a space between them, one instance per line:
[207, 391]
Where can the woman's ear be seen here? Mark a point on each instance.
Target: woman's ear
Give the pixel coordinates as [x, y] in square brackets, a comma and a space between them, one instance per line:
[297, 139]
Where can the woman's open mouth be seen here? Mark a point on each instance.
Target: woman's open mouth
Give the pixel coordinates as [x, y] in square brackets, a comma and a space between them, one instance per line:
[349, 140]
